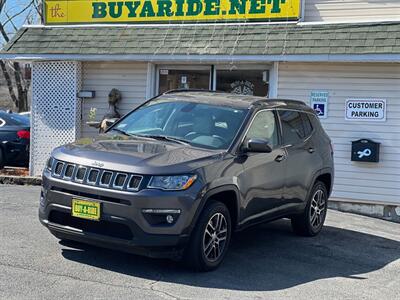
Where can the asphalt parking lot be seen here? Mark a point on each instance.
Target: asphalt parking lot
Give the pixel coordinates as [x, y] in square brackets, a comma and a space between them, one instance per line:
[354, 257]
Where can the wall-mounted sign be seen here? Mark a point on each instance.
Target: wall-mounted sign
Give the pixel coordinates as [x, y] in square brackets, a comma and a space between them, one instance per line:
[114, 11]
[366, 109]
[164, 72]
[242, 87]
[319, 102]
[365, 150]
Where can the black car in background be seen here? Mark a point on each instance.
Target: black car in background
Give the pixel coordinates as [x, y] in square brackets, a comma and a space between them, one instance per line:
[14, 140]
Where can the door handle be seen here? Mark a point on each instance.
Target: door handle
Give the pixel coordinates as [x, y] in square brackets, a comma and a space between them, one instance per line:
[280, 158]
[311, 150]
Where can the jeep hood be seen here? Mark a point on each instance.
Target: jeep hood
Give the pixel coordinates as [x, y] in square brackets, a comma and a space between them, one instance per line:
[136, 155]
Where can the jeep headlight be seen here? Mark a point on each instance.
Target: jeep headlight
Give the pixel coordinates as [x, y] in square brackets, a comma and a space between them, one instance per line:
[172, 183]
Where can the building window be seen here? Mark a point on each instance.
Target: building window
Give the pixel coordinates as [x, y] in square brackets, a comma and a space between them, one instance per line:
[245, 82]
[183, 79]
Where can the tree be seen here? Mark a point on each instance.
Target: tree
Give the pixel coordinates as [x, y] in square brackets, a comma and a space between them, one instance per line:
[13, 14]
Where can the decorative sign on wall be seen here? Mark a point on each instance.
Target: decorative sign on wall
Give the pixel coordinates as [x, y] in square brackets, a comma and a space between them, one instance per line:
[242, 87]
[319, 102]
[366, 110]
[114, 11]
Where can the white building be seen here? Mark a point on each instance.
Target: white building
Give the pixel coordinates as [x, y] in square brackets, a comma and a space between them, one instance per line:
[330, 53]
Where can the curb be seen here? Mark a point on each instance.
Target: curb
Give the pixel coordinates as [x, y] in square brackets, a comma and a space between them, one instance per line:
[19, 180]
[374, 210]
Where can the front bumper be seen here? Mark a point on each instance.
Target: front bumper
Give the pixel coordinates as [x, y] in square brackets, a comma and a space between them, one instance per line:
[123, 225]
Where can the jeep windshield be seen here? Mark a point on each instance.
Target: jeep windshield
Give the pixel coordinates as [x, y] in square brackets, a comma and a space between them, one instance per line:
[198, 124]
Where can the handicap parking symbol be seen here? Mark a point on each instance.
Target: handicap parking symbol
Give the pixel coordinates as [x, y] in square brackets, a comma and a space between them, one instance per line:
[319, 109]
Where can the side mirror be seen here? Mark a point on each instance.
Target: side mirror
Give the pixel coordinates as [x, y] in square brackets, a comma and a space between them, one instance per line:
[257, 146]
[110, 122]
[102, 125]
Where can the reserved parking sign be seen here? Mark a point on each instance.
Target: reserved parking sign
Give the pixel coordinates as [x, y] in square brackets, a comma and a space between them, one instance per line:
[366, 109]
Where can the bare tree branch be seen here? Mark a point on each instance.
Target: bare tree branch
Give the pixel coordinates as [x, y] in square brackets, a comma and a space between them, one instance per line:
[9, 82]
[11, 18]
[22, 86]
[4, 33]
[2, 2]
[39, 8]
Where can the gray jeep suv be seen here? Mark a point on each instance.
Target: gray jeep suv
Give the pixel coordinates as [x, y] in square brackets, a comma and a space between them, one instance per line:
[179, 174]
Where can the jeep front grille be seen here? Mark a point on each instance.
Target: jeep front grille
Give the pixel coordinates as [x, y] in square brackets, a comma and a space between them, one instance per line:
[119, 180]
[69, 171]
[93, 175]
[96, 177]
[58, 169]
[80, 174]
[106, 178]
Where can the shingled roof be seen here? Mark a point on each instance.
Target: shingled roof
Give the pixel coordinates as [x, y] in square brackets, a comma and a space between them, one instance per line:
[246, 39]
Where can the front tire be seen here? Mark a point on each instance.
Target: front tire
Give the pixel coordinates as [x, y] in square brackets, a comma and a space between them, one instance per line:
[311, 221]
[210, 238]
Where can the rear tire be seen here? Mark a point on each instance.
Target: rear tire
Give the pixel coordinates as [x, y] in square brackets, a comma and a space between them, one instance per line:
[311, 221]
[210, 238]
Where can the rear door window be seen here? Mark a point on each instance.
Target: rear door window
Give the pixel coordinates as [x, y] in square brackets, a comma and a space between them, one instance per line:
[292, 127]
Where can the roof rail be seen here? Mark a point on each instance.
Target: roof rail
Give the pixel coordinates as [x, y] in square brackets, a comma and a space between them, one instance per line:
[287, 100]
[189, 90]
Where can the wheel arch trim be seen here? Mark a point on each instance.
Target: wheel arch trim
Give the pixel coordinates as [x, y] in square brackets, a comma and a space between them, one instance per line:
[208, 196]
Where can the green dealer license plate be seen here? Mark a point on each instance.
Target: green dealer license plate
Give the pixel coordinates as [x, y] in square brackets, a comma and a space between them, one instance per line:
[86, 209]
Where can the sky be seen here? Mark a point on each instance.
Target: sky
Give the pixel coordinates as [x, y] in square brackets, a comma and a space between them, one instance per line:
[11, 8]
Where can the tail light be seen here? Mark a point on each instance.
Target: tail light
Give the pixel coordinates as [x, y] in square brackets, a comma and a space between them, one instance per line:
[24, 134]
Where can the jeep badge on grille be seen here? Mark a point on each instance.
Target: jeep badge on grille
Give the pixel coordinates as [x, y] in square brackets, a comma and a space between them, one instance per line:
[98, 164]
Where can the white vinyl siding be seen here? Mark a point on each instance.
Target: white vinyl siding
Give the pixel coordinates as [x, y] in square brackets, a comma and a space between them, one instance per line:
[130, 78]
[351, 10]
[358, 181]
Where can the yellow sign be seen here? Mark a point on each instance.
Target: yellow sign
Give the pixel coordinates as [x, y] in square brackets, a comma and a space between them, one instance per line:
[85, 209]
[142, 11]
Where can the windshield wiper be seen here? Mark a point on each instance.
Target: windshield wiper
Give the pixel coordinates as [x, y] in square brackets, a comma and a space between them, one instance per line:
[167, 138]
[156, 137]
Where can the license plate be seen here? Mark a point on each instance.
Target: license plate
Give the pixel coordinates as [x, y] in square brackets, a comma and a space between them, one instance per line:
[86, 209]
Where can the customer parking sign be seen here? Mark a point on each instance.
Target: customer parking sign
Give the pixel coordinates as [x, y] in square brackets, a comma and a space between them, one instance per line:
[366, 110]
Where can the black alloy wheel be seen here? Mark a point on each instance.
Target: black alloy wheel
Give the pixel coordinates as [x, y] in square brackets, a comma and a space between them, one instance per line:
[210, 238]
[311, 221]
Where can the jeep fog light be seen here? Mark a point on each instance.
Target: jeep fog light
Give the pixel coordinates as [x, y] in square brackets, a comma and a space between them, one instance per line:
[170, 219]
[160, 217]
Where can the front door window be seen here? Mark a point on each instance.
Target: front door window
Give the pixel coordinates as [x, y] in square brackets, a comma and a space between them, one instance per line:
[264, 127]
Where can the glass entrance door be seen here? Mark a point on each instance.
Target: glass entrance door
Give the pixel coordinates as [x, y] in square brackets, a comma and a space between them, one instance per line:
[171, 78]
